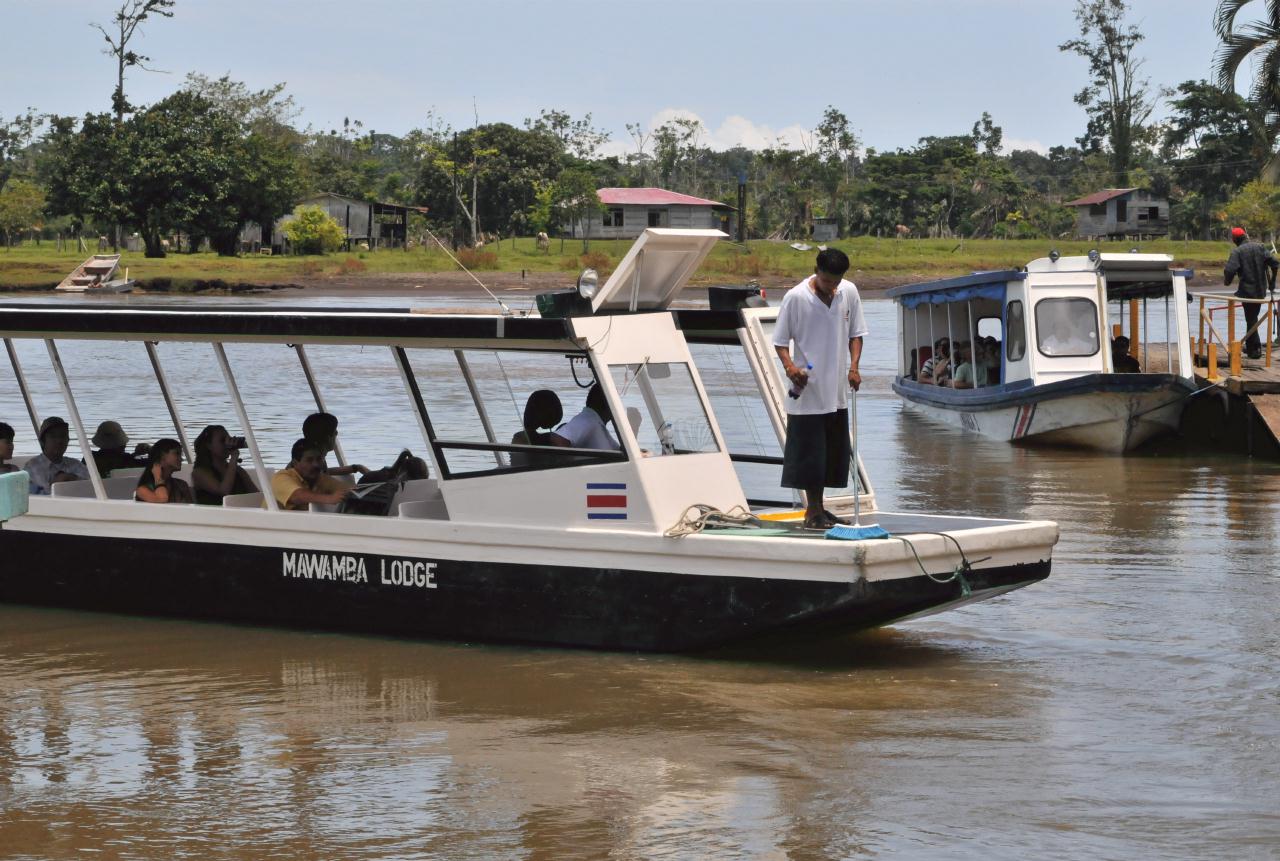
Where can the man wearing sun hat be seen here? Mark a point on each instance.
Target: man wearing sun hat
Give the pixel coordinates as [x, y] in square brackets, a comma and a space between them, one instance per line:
[1257, 268]
[111, 439]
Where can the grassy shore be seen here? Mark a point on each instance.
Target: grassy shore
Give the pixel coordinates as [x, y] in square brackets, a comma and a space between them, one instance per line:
[877, 263]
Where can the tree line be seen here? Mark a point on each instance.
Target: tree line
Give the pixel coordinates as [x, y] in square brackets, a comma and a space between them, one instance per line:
[216, 154]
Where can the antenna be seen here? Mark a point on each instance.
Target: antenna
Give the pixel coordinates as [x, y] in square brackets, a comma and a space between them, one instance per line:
[503, 305]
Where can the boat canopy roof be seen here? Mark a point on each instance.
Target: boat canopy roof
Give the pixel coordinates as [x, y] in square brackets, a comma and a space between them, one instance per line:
[979, 285]
[251, 323]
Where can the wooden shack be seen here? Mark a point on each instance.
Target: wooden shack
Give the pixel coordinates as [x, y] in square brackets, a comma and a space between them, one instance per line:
[1119, 213]
[626, 212]
[378, 225]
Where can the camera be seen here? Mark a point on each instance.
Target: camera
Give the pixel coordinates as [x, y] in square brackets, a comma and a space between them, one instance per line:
[239, 442]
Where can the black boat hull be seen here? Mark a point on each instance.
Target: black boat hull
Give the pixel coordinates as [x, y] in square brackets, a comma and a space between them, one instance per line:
[460, 600]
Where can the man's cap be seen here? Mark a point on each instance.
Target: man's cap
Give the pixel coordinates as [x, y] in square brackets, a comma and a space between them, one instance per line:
[51, 423]
[110, 435]
[1238, 233]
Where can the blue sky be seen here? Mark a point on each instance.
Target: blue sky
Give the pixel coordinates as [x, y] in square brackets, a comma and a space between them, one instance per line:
[750, 70]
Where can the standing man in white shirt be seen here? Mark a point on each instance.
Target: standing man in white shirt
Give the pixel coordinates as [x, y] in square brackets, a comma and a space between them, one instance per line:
[818, 338]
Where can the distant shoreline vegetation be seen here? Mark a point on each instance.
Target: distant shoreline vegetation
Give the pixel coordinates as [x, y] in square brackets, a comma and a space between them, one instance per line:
[875, 262]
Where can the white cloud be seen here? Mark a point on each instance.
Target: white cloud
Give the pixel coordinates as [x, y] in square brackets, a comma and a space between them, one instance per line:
[1008, 145]
[733, 131]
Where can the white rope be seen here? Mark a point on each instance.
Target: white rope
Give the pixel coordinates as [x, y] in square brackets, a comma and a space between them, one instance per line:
[709, 515]
[445, 249]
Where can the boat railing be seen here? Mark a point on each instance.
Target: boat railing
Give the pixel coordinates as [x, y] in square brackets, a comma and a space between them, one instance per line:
[1205, 347]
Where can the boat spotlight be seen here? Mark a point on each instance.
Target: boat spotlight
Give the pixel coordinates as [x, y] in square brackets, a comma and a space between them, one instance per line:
[1093, 255]
[1054, 255]
[588, 281]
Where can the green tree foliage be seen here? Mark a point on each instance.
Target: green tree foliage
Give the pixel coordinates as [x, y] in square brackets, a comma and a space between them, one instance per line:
[1259, 40]
[313, 231]
[183, 164]
[15, 138]
[1256, 208]
[488, 175]
[124, 26]
[1214, 140]
[1117, 99]
[577, 137]
[22, 206]
[576, 201]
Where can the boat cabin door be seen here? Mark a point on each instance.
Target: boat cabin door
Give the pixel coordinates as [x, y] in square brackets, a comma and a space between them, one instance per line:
[756, 336]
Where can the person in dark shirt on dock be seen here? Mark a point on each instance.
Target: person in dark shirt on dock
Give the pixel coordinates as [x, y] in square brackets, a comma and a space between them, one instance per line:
[1256, 267]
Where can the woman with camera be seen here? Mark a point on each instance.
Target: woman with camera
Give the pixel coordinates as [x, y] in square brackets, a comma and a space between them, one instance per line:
[217, 471]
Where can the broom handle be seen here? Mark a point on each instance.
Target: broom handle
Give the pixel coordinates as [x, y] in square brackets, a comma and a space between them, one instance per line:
[853, 456]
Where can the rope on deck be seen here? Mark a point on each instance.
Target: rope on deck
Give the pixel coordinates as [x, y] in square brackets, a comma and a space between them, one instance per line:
[709, 515]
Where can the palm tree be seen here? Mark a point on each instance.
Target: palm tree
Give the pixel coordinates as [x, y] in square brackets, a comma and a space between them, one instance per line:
[1261, 40]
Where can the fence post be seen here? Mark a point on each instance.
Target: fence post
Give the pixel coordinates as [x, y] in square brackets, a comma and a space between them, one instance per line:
[1211, 371]
[1231, 322]
[1235, 358]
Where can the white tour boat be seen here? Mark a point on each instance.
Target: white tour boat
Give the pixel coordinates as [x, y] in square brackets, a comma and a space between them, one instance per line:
[504, 541]
[1052, 377]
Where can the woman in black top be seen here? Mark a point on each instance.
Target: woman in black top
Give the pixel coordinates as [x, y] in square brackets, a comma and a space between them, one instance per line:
[217, 471]
[157, 482]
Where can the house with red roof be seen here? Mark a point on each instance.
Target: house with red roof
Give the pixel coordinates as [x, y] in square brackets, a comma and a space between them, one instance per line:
[1118, 213]
[626, 212]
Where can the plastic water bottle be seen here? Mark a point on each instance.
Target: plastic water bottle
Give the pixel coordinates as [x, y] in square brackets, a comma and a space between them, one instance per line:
[795, 390]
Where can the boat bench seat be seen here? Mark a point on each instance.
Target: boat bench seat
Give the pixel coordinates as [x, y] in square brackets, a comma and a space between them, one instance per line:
[243, 500]
[116, 487]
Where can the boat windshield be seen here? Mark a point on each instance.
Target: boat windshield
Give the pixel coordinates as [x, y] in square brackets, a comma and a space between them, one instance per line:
[1067, 327]
[663, 408]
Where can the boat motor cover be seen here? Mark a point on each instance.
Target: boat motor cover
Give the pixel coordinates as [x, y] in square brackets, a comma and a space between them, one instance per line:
[14, 487]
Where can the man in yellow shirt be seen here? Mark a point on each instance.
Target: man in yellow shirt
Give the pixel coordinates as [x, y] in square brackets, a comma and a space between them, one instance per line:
[303, 481]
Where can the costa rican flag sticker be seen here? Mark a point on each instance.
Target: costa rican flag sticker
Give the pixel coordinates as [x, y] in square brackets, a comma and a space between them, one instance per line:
[606, 501]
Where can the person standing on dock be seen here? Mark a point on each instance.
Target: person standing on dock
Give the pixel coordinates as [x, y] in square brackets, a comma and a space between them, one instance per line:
[818, 338]
[1257, 269]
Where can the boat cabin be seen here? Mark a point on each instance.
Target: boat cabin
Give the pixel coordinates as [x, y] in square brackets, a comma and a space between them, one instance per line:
[1057, 319]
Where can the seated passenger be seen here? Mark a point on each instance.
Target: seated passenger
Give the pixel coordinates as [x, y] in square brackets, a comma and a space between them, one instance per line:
[1065, 339]
[111, 439]
[6, 448]
[1121, 361]
[968, 373]
[937, 368]
[321, 429]
[158, 482]
[912, 370]
[587, 429]
[992, 351]
[304, 480]
[542, 410]
[50, 466]
[217, 471]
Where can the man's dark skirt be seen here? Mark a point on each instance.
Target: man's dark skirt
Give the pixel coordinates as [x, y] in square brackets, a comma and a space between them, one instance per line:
[817, 451]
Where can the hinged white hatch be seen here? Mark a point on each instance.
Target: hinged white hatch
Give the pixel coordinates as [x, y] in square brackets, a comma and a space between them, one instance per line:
[655, 270]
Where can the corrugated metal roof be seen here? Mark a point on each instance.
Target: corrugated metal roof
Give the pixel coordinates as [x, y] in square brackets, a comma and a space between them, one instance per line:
[653, 197]
[1099, 196]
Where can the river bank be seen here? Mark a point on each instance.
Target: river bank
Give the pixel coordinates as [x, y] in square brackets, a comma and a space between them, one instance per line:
[516, 265]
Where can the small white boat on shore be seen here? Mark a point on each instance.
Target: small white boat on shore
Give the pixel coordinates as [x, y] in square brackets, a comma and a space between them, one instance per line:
[1052, 374]
[97, 275]
[505, 541]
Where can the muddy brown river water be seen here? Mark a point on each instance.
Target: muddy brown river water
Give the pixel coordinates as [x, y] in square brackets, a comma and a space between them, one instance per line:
[1128, 707]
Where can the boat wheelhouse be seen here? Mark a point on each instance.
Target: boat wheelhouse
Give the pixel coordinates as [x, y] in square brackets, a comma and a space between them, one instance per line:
[505, 541]
[1046, 353]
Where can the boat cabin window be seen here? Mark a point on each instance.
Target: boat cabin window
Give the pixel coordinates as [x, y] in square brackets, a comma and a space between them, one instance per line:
[1015, 346]
[1067, 327]
[476, 402]
[663, 408]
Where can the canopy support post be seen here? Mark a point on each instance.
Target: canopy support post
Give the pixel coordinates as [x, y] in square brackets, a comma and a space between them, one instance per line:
[315, 393]
[259, 468]
[99, 491]
[154, 355]
[401, 358]
[470, 379]
[22, 386]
